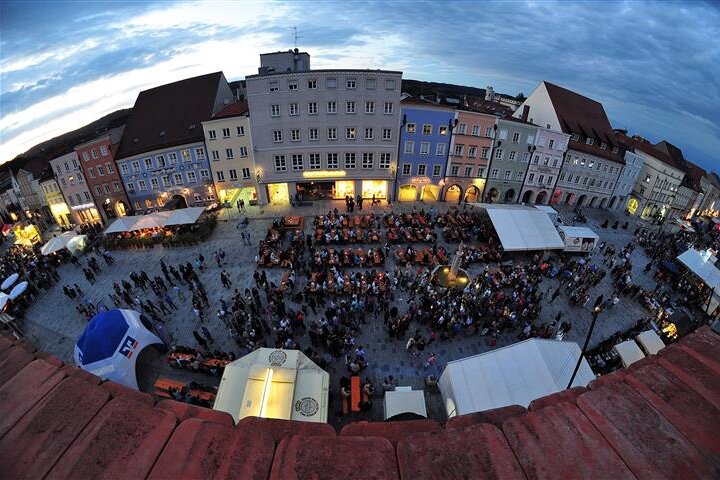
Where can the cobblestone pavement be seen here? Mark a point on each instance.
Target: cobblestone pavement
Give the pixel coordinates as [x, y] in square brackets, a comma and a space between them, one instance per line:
[53, 323]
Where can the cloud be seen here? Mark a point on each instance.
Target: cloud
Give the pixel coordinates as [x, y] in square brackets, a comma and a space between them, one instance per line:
[654, 68]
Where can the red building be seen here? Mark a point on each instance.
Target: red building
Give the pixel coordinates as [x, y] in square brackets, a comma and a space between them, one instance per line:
[97, 158]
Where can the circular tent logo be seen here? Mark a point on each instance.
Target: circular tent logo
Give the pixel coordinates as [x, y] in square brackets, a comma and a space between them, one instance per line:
[277, 358]
[307, 406]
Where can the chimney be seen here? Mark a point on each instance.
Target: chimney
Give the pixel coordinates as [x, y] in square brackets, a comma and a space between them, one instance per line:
[526, 111]
[465, 100]
[489, 93]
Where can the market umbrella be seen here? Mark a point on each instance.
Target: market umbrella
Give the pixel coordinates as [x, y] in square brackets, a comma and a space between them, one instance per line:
[18, 290]
[3, 300]
[111, 343]
[10, 281]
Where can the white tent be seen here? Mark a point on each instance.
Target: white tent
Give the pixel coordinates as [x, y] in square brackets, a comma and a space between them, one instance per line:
[551, 212]
[523, 228]
[702, 264]
[70, 240]
[650, 342]
[512, 375]
[151, 220]
[123, 224]
[271, 383]
[404, 400]
[629, 352]
[184, 216]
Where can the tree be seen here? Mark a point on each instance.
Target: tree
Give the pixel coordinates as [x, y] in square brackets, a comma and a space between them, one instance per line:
[520, 97]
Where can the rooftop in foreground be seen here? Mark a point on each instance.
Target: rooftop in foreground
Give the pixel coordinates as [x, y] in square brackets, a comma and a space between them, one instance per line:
[657, 419]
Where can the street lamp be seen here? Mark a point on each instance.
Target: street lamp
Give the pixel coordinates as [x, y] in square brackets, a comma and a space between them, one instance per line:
[595, 313]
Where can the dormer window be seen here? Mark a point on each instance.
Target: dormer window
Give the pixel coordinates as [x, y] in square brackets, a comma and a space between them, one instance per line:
[575, 137]
[615, 150]
[589, 141]
[603, 146]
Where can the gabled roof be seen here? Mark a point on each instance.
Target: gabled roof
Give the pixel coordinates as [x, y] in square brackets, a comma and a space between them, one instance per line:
[170, 115]
[419, 102]
[693, 173]
[233, 110]
[586, 117]
[637, 143]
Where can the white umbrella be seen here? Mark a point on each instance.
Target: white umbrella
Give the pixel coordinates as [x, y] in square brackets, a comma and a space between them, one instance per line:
[18, 290]
[10, 281]
[3, 300]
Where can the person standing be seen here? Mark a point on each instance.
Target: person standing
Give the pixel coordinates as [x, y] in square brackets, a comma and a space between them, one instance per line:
[200, 340]
[431, 360]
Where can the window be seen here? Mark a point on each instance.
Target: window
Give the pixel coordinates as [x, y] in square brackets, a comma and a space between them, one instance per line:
[530, 139]
[331, 83]
[130, 187]
[91, 172]
[173, 158]
[332, 107]
[220, 176]
[85, 156]
[476, 130]
[312, 108]
[246, 173]
[459, 150]
[455, 170]
[442, 130]
[350, 107]
[540, 179]
[233, 174]
[582, 161]
[274, 110]
[350, 83]
[240, 131]
[585, 180]
[160, 159]
[229, 154]
[516, 137]
[440, 149]
[199, 155]
[67, 167]
[215, 155]
[512, 156]
[615, 150]
[526, 157]
[605, 183]
[297, 162]
[295, 135]
[274, 87]
[243, 152]
[531, 177]
[598, 166]
[186, 155]
[498, 153]
[462, 128]
[292, 85]
[605, 168]
[508, 174]
[589, 141]
[422, 169]
[136, 166]
[387, 134]
[277, 136]
[436, 170]
[427, 129]
[293, 109]
[178, 179]
[197, 197]
[370, 83]
[313, 134]
[410, 128]
[94, 153]
[551, 143]
[226, 132]
[555, 162]
[350, 133]
[369, 134]
[103, 150]
[349, 160]
[332, 133]
[204, 174]
[409, 146]
[148, 163]
[165, 180]
[481, 172]
[280, 165]
[332, 161]
[369, 107]
[116, 186]
[485, 152]
[312, 84]
[100, 171]
[385, 160]
[519, 175]
[389, 84]
[368, 160]
[142, 185]
[87, 196]
[561, 178]
[315, 161]
[124, 169]
[406, 168]
[489, 132]
[472, 151]
[388, 108]
[576, 137]
[97, 190]
[154, 184]
[468, 171]
[577, 179]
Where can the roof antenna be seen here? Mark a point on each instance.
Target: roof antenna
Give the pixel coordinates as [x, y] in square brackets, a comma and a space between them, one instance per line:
[295, 36]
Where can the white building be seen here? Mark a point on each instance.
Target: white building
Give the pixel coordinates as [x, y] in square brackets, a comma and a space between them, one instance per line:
[323, 133]
[75, 189]
[544, 169]
[626, 181]
[229, 146]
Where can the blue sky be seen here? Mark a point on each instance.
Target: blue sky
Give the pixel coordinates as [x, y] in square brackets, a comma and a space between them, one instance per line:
[654, 65]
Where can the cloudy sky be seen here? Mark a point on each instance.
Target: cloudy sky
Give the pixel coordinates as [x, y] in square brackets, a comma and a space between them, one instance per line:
[653, 65]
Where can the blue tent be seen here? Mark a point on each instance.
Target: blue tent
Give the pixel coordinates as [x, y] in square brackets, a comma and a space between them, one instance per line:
[110, 345]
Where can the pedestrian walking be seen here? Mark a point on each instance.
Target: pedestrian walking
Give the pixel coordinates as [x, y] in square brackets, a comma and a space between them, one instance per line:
[206, 334]
[200, 340]
[169, 301]
[431, 360]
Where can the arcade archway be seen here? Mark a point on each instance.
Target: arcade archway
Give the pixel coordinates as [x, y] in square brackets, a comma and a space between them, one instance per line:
[453, 194]
[510, 195]
[528, 196]
[472, 194]
[540, 199]
[492, 195]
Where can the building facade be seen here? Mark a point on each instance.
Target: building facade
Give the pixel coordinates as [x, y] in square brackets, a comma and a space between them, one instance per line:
[544, 169]
[103, 179]
[229, 145]
[75, 189]
[711, 199]
[470, 149]
[321, 134]
[629, 174]
[424, 148]
[513, 148]
[55, 200]
[162, 158]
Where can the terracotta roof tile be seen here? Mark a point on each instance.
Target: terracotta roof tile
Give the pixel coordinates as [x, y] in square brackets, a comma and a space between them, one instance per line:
[184, 411]
[568, 395]
[280, 429]
[12, 361]
[117, 390]
[697, 375]
[496, 416]
[233, 110]
[393, 431]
